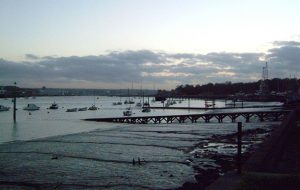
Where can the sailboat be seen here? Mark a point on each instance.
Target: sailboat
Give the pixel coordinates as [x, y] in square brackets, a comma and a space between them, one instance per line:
[128, 111]
[117, 103]
[146, 106]
[93, 107]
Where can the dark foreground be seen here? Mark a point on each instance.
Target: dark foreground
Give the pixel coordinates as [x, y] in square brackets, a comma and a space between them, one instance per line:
[274, 166]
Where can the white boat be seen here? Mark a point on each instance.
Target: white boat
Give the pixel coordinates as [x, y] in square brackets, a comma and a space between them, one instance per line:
[128, 112]
[129, 102]
[93, 107]
[31, 107]
[54, 106]
[72, 110]
[117, 103]
[4, 108]
[82, 109]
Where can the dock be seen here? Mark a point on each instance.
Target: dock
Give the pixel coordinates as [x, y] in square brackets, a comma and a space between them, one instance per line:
[213, 108]
[194, 118]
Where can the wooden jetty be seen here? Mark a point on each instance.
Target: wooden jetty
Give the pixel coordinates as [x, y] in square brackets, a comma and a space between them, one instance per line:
[194, 118]
[212, 108]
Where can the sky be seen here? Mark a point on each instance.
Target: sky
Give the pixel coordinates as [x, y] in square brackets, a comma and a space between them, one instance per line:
[152, 44]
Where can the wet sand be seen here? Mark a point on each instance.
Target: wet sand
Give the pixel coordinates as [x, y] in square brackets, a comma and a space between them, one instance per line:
[171, 156]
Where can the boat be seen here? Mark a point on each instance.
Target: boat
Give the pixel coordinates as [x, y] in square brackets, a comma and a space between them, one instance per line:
[53, 106]
[129, 101]
[146, 109]
[31, 107]
[72, 110]
[93, 107]
[117, 103]
[82, 109]
[139, 104]
[127, 112]
[4, 108]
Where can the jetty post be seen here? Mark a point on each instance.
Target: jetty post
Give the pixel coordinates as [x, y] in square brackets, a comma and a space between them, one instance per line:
[239, 148]
[15, 101]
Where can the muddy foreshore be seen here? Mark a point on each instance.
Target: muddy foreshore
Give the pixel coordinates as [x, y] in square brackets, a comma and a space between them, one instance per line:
[221, 162]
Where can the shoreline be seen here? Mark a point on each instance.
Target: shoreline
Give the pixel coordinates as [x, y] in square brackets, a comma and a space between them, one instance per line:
[201, 173]
[227, 163]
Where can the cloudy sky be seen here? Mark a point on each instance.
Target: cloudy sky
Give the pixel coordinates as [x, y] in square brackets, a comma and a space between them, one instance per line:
[161, 43]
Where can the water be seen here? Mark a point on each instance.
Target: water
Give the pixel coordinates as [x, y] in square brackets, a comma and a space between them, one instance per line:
[46, 122]
[99, 155]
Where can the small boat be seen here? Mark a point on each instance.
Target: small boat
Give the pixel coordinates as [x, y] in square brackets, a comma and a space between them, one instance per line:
[146, 109]
[54, 106]
[117, 103]
[139, 104]
[146, 104]
[82, 109]
[31, 107]
[4, 108]
[93, 107]
[128, 112]
[72, 110]
[129, 102]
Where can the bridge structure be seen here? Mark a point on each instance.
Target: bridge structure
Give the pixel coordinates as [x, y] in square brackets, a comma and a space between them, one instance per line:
[194, 118]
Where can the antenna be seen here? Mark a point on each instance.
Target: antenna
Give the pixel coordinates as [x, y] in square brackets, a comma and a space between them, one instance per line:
[265, 72]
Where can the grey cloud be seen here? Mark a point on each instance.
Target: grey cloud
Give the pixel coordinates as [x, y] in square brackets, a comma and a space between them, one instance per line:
[31, 56]
[124, 67]
[286, 43]
[285, 59]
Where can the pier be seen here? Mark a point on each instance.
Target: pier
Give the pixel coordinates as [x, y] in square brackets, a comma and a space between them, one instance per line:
[194, 118]
[213, 108]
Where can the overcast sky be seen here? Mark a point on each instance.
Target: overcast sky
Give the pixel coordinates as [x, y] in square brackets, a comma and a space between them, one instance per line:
[161, 43]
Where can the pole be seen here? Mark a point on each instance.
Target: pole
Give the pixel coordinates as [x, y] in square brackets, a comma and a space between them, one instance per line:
[239, 148]
[15, 100]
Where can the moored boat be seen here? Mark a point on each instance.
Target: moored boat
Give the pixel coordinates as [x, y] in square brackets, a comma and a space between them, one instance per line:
[82, 109]
[72, 110]
[54, 106]
[146, 109]
[128, 112]
[93, 107]
[4, 108]
[31, 107]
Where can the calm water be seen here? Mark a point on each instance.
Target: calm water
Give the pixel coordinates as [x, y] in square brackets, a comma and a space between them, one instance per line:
[46, 122]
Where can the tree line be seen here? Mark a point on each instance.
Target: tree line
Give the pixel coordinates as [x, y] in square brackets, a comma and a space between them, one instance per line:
[228, 88]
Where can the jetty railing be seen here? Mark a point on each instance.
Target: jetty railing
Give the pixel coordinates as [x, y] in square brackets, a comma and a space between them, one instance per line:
[194, 118]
